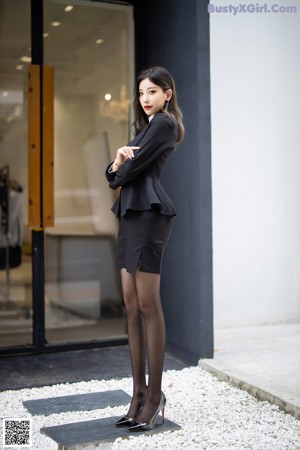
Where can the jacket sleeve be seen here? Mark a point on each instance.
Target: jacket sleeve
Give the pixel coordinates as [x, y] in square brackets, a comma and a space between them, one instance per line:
[160, 136]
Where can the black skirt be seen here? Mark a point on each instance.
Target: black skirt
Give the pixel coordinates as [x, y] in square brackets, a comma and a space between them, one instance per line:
[141, 240]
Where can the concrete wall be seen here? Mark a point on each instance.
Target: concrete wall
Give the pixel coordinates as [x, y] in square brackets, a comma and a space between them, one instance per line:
[255, 91]
[179, 40]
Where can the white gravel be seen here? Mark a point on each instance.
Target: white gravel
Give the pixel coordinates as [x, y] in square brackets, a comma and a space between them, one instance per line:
[212, 414]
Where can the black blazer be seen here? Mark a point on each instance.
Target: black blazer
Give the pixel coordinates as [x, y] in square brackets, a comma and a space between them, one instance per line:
[139, 177]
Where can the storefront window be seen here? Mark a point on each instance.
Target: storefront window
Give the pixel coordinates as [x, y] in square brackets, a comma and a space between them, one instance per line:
[89, 45]
[15, 242]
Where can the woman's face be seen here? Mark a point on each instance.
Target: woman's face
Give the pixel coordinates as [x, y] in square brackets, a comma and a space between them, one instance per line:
[152, 97]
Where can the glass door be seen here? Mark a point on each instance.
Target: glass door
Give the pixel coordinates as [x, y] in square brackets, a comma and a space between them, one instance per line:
[58, 284]
[89, 45]
[15, 236]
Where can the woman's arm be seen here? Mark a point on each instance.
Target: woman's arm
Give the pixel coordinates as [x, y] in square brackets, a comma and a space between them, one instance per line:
[160, 136]
[123, 153]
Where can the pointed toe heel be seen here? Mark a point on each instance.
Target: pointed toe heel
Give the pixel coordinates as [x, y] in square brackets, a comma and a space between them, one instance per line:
[137, 426]
[125, 422]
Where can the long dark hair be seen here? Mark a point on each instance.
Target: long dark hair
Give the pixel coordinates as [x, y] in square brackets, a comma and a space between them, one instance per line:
[161, 77]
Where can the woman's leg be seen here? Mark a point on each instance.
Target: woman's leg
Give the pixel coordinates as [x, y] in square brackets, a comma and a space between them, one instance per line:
[137, 341]
[148, 293]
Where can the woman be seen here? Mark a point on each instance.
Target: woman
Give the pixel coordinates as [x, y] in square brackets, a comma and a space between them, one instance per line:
[145, 214]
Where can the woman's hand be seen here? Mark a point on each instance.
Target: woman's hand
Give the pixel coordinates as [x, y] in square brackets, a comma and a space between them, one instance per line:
[123, 153]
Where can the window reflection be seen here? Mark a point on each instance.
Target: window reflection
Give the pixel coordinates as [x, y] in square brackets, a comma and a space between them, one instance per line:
[90, 52]
[15, 242]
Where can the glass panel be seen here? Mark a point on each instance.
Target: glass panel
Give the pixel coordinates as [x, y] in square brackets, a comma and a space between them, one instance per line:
[15, 245]
[89, 45]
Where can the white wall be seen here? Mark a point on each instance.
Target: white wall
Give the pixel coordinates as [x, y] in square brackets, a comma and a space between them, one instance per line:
[255, 95]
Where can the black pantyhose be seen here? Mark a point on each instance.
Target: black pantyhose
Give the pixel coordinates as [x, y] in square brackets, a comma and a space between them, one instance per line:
[146, 330]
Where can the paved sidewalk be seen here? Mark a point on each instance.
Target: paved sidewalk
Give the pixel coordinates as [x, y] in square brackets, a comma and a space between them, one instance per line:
[264, 360]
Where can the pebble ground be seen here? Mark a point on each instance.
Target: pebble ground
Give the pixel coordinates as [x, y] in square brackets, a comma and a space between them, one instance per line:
[213, 415]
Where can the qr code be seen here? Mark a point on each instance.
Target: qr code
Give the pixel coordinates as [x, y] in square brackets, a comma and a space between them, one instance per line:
[16, 432]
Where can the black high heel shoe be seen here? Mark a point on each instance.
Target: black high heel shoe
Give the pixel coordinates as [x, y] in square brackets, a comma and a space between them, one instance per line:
[146, 426]
[125, 422]
[128, 421]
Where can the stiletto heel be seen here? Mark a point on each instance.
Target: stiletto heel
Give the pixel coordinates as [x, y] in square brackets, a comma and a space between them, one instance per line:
[163, 413]
[146, 426]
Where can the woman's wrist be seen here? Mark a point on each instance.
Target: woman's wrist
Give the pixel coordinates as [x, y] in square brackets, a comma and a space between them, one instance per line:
[115, 165]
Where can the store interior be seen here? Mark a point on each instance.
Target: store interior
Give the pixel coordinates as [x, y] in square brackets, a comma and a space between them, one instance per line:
[89, 44]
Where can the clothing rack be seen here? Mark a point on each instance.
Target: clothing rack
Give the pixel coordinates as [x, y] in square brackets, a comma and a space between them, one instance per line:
[4, 204]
